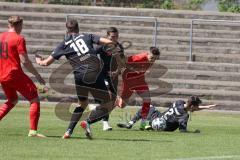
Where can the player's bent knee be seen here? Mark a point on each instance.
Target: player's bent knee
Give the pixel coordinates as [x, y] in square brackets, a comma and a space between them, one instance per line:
[13, 102]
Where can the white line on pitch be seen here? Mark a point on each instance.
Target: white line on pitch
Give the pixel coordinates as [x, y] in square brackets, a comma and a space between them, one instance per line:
[208, 158]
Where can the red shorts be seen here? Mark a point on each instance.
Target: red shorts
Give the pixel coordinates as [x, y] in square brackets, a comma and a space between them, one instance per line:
[127, 90]
[20, 83]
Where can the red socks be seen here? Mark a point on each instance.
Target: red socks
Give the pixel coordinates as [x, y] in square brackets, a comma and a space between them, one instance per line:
[145, 109]
[34, 114]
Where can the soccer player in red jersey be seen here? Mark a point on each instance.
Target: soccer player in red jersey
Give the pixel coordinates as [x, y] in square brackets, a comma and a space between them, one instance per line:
[12, 78]
[134, 80]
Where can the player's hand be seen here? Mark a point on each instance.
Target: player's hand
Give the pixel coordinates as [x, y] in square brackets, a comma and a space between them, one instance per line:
[119, 103]
[43, 89]
[112, 48]
[113, 74]
[38, 58]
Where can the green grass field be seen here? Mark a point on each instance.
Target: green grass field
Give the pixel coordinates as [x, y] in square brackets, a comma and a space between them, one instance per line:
[219, 139]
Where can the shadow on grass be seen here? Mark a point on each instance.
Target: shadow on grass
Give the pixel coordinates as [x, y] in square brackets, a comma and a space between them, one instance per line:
[60, 137]
[114, 139]
[133, 140]
[13, 134]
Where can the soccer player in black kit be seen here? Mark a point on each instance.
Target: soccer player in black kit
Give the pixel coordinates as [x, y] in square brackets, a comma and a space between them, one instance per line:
[80, 52]
[111, 69]
[176, 117]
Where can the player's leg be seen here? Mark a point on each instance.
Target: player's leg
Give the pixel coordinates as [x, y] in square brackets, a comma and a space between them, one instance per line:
[12, 99]
[112, 86]
[145, 95]
[100, 93]
[126, 93]
[129, 125]
[29, 91]
[82, 93]
[106, 125]
[77, 114]
[136, 117]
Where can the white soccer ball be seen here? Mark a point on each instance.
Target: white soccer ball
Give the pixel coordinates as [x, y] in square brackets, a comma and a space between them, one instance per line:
[158, 124]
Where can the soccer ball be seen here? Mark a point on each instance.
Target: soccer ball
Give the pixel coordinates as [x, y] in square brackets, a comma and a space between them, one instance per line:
[158, 124]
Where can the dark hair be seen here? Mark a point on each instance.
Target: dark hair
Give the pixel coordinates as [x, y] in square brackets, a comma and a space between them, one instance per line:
[194, 100]
[112, 29]
[154, 51]
[72, 26]
[15, 20]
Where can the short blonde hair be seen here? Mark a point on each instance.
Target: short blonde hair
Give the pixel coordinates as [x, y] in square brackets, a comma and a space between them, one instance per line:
[15, 20]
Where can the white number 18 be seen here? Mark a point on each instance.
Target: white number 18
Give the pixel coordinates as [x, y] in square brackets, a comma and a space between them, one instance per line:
[81, 46]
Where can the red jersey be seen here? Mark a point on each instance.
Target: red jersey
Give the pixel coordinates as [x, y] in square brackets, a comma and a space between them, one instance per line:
[139, 64]
[11, 46]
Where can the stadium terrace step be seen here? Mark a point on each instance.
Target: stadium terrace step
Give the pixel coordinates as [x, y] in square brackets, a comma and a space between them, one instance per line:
[199, 49]
[41, 25]
[180, 65]
[201, 57]
[199, 75]
[35, 16]
[199, 84]
[206, 94]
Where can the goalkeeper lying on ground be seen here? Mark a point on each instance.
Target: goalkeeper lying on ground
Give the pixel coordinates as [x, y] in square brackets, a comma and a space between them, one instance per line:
[175, 117]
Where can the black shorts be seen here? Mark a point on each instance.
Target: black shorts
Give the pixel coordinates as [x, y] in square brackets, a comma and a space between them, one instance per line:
[98, 89]
[112, 83]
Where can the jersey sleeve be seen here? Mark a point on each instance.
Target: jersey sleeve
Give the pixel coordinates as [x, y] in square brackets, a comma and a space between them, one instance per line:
[21, 47]
[94, 38]
[99, 50]
[59, 51]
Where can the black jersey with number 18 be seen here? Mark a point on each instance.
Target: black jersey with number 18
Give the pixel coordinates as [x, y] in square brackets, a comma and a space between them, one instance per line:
[80, 52]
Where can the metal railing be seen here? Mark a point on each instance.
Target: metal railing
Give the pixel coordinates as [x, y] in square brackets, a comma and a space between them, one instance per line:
[191, 32]
[134, 18]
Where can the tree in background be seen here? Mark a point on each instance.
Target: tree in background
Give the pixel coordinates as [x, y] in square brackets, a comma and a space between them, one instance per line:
[229, 6]
[164, 4]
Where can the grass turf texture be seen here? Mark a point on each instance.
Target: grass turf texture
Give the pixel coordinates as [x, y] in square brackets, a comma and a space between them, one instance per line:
[219, 139]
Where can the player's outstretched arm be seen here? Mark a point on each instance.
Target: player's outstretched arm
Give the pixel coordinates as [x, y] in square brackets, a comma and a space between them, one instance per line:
[105, 41]
[44, 62]
[206, 107]
[29, 66]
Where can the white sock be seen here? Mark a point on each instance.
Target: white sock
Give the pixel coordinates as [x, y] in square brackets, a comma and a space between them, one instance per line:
[105, 123]
[131, 122]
